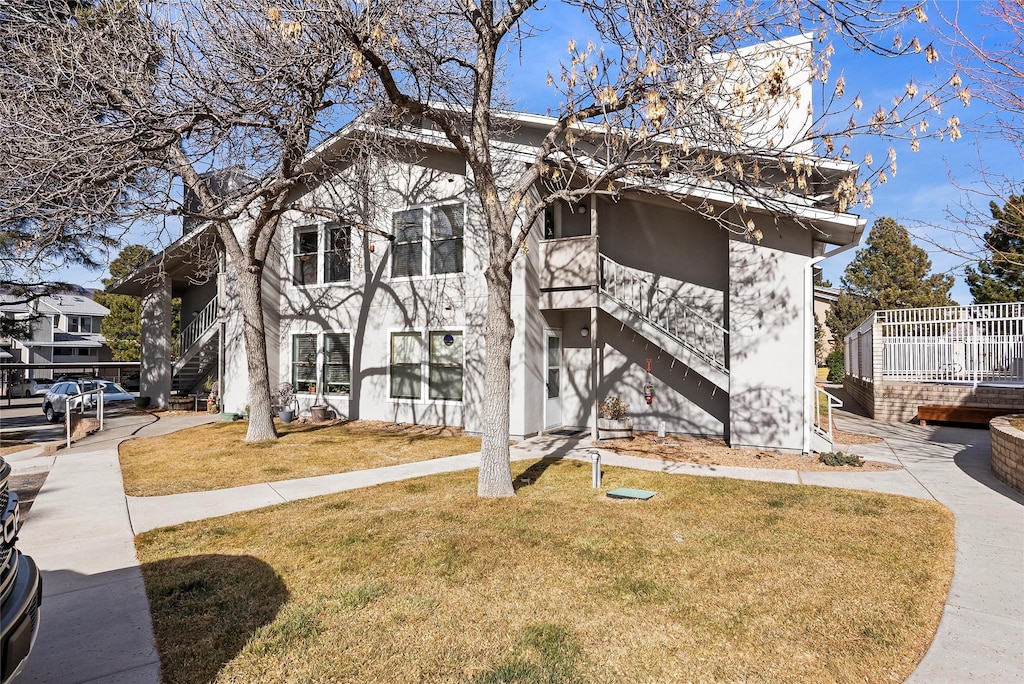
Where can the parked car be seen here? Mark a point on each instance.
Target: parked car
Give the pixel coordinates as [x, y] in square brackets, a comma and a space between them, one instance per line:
[68, 396]
[13, 387]
[38, 387]
[21, 587]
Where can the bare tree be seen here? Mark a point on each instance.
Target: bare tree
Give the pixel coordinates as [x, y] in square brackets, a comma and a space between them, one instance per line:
[121, 106]
[989, 57]
[669, 95]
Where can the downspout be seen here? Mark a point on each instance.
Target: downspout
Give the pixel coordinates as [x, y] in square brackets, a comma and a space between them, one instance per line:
[808, 355]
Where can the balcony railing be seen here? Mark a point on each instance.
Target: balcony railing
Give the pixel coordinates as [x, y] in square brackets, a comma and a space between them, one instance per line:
[196, 327]
[982, 343]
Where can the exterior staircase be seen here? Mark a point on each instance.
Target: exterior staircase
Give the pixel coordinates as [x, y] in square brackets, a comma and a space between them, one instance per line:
[634, 298]
[197, 350]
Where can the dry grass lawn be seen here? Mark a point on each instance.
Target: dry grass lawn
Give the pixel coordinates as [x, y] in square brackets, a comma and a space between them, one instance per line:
[421, 581]
[215, 456]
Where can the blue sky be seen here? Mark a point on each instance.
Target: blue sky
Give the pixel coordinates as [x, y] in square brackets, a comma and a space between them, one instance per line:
[918, 196]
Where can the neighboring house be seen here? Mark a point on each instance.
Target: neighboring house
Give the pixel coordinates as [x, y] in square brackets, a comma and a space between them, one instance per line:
[64, 328]
[824, 298]
[611, 296]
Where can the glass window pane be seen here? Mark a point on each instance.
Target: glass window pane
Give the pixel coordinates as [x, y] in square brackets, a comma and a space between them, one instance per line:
[337, 363]
[304, 264]
[447, 221]
[337, 260]
[553, 383]
[407, 259]
[303, 362]
[554, 352]
[406, 355]
[408, 225]
[446, 365]
[446, 256]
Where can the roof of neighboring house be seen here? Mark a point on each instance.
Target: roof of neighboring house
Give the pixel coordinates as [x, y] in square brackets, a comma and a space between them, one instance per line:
[827, 294]
[73, 305]
[63, 339]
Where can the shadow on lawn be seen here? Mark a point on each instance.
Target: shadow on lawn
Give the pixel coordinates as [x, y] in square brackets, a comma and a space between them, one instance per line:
[206, 608]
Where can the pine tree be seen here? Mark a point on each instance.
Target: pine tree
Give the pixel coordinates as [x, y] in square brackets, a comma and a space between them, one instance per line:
[1000, 277]
[122, 327]
[889, 272]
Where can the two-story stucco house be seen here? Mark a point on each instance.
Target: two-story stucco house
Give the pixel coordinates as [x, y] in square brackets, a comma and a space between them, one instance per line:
[64, 329]
[614, 296]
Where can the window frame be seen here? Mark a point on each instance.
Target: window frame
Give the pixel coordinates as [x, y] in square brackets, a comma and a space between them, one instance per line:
[319, 365]
[425, 367]
[325, 252]
[428, 240]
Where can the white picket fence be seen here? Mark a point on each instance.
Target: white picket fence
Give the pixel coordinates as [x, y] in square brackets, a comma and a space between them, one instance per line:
[981, 343]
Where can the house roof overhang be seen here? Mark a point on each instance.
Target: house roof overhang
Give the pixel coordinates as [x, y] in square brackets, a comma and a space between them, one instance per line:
[177, 262]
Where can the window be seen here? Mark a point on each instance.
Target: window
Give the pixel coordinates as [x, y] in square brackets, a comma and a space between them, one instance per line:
[443, 358]
[304, 363]
[334, 374]
[406, 357]
[337, 363]
[80, 324]
[446, 365]
[304, 267]
[337, 253]
[446, 226]
[407, 251]
[428, 240]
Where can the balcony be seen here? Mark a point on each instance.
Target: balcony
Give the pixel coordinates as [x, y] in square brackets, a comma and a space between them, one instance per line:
[569, 269]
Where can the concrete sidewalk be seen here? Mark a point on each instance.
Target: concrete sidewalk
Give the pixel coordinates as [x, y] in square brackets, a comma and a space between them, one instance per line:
[96, 624]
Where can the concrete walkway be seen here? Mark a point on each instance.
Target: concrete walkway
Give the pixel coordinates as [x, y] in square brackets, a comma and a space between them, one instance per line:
[96, 625]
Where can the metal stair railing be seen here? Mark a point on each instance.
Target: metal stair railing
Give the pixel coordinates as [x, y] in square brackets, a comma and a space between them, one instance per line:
[206, 319]
[636, 290]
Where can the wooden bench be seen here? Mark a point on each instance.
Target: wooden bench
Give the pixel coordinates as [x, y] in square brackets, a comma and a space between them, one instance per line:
[960, 414]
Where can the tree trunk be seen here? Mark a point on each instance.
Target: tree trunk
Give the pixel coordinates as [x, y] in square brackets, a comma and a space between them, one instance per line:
[250, 293]
[495, 479]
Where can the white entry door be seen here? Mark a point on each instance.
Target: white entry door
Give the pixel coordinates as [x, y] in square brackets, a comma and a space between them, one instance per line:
[553, 383]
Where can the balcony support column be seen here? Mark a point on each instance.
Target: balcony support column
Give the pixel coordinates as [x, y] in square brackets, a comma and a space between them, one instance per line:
[155, 365]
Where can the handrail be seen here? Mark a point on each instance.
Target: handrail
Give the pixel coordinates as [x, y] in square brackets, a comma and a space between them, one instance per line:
[830, 402]
[198, 325]
[635, 290]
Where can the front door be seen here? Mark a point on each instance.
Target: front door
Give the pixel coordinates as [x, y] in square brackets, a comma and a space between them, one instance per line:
[553, 362]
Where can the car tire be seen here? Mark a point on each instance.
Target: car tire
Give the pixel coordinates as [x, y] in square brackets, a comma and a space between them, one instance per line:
[51, 415]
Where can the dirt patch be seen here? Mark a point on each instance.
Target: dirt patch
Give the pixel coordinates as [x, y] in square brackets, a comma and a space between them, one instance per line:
[705, 451]
[844, 437]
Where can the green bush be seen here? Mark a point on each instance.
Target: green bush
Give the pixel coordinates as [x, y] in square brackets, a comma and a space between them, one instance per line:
[839, 458]
[836, 365]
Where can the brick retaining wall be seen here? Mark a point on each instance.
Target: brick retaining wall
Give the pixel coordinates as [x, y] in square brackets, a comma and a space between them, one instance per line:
[898, 401]
[1007, 452]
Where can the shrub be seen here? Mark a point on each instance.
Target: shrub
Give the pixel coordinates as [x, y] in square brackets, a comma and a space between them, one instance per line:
[836, 365]
[839, 458]
[613, 408]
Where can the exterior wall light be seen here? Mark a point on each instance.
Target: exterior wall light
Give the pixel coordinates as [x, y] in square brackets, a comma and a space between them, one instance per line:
[584, 331]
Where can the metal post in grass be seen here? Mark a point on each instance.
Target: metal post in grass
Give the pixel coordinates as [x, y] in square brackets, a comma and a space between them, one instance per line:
[595, 460]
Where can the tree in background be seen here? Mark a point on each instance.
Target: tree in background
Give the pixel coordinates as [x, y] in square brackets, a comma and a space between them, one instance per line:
[1000, 276]
[650, 94]
[122, 327]
[889, 272]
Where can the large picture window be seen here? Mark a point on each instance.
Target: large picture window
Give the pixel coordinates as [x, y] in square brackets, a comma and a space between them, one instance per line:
[80, 324]
[428, 240]
[438, 365]
[322, 363]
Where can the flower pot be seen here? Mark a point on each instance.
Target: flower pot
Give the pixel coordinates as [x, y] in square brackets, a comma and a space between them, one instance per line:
[286, 415]
[319, 414]
[141, 402]
[615, 428]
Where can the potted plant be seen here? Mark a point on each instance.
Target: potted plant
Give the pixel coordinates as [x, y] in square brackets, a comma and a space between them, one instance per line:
[612, 422]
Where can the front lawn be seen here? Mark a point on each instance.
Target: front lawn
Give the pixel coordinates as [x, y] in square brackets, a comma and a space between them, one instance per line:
[215, 456]
[711, 580]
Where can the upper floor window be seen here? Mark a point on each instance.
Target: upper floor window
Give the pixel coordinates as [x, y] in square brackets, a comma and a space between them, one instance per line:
[304, 264]
[428, 240]
[334, 251]
[80, 324]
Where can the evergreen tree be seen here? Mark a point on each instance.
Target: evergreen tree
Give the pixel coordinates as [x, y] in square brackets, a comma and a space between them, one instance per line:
[1000, 277]
[122, 327]
[889, 272]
